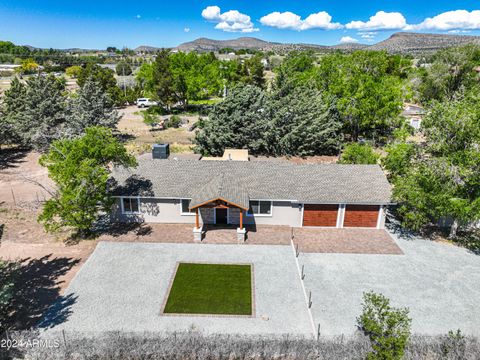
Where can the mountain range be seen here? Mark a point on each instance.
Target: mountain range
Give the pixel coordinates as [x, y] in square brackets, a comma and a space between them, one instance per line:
[401, 42]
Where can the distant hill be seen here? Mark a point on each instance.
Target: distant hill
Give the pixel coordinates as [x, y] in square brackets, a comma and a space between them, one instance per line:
[146, 49]
[406, 43]
[349, 46]
[204, 44]
[422, 43]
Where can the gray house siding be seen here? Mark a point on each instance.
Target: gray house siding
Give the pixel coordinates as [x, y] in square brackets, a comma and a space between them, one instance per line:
[154, 210]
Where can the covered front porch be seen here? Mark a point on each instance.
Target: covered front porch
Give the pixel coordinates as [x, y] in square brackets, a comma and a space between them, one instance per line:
[219, 214]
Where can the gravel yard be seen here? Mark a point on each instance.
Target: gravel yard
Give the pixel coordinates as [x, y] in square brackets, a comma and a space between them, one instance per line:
[122, 287]
[437, 281]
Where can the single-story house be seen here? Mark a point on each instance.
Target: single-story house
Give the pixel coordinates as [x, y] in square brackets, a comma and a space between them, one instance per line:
[251, 193]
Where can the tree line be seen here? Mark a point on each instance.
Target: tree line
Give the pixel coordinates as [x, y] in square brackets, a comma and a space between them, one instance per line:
[177, 78]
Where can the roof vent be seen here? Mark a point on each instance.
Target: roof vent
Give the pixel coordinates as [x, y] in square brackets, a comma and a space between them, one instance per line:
[160, 151]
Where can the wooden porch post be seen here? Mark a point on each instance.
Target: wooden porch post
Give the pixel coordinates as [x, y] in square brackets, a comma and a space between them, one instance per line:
[197, 225]
[241, 218]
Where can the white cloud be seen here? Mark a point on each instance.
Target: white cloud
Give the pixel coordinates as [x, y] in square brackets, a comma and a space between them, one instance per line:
[348, 40]
[368, 36]
[451, 20]
[231, 21]
[380, 21]
[187, 29]
[289, 20]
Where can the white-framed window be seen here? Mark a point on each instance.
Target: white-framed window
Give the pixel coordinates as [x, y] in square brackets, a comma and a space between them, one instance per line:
[130, 205]
[185, 207]
[260, 208]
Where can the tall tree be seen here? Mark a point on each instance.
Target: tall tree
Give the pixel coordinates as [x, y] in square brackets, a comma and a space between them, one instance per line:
[303, 122]
[104, 77]
[12, 103]
[163, 78]
[240, 121]
[80, 168]
[450, 72]
[368, 91]
[40, 116]
[444, 181]
[91, 107]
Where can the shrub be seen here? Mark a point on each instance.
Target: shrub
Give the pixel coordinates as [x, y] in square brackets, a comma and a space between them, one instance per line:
[73, 71]
[454, 345]
[7, 281]
[388, 328]
[173, 122]
[356, 153]
[193, 345]
[150, 119]
[123, 69]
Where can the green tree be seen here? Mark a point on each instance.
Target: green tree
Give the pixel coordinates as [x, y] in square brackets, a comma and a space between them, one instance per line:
[399, 158]
[387, 327]
[105, 78]
[444, 182]
[7, 283]
[303, 122]
[163, 79]
[80, 168]
[450, 71]
[368, 89]
[73, 71]
[40, 115]
[28, 66]
[91, 107]
[355, 153]
[13, 102]
[237, 122]
[123, 69]
[145, 79]
[254, 69]
[298, 68]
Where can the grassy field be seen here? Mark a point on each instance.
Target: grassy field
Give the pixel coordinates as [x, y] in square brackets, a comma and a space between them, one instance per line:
[211, 289]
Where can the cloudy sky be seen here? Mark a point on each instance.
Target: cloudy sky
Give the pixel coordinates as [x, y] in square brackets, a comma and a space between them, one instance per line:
[98, 24]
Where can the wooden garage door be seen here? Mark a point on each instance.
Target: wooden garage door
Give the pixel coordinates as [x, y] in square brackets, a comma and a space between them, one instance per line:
[320, 215]
[361, 216]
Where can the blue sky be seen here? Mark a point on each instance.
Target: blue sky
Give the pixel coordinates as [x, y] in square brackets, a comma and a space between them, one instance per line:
[98, 24]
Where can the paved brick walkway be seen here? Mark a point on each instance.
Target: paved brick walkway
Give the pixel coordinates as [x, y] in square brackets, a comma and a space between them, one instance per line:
[355, 241]
[183, 233]
[352, 241]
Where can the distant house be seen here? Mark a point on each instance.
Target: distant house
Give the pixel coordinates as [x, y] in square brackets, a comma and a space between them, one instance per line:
[414, 114]
[251, 193]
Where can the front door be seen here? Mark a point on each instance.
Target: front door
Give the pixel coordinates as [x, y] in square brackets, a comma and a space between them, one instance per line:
[221, 216]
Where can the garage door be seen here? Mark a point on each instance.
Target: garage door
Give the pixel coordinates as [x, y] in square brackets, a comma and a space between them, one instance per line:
[320, 215]
[361, 216]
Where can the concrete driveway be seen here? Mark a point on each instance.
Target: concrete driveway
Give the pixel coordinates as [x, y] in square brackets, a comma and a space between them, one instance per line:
[440, 283]
[122, 287]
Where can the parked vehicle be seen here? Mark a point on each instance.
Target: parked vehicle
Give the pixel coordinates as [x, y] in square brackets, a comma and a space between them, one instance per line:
[145, 102]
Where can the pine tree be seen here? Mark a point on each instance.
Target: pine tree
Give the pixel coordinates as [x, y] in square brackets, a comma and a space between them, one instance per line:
[91, 107]
[36, 111]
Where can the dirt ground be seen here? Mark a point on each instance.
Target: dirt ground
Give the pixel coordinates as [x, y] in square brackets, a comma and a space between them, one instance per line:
[142, 137]
[22, 179]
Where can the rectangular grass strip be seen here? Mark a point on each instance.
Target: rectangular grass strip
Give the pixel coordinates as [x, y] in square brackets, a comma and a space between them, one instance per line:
[211, 289]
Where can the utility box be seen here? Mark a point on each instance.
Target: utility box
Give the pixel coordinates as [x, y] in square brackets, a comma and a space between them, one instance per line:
[161, 151]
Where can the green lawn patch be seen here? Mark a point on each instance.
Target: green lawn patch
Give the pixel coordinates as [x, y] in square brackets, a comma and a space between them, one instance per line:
[211, 289]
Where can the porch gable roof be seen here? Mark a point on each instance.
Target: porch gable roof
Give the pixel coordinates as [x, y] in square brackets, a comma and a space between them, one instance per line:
[221, 188]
